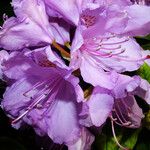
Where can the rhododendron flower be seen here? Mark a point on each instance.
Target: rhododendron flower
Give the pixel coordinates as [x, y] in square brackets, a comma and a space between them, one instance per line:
[46, 97]
[95, 47]
[31, 27]
[118, 103]
[95, 43]
[104, 55]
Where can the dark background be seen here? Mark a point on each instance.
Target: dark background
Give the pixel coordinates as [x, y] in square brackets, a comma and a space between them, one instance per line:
[26, 139]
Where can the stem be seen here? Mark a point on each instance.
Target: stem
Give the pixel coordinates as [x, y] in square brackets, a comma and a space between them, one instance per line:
[114, 135]
[59, 48]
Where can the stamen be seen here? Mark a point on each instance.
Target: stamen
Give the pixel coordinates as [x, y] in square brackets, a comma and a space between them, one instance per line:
[40, 96]
[120, 111]
[120, 124]
[120, 42]
[38, 84]
[114, 135]
[104, 38]
[118, 117]
[28, 109]
[106, 48]
[67, 44]
[59, 48]
[129, 109]
[101, 54]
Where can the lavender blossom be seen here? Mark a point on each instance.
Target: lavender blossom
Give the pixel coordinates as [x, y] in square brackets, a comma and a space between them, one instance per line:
[102, 49]
[44, 96]
[31, 27]
[119, 103]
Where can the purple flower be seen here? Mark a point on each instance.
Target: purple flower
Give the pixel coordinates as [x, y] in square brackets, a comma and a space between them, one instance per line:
[31, 27]
[43, 96]
[102, 55]
[96, 49]
[119, 103]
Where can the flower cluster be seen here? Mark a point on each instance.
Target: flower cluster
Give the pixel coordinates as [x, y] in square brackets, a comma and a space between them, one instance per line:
[51, 49]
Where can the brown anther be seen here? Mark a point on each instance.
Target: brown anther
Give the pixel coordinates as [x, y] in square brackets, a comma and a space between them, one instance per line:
[59, 48]
[88, 92]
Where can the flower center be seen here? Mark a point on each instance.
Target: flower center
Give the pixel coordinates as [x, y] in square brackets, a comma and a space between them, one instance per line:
[88, 20]
[90, 17]
[104, 46]
[108, 47]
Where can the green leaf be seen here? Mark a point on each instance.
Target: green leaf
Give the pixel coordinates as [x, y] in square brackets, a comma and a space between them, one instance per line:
[144, 72]
[143, 146]
[126, 137]
[146, 46]
[146, 121]
[146, 37]
[130, 139]
[143, 142]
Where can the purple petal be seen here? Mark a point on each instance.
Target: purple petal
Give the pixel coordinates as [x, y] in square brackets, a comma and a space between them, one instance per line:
[139, 20]
[84, 142]
[19, 34]
[95, 75]
[68, 9]
[143, 91]
[125, 85]
[99, 106]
